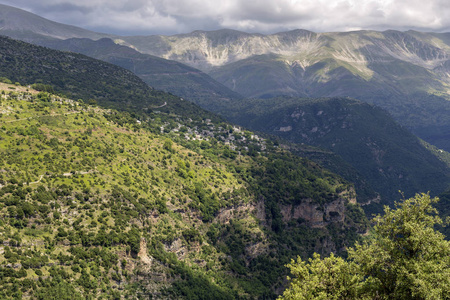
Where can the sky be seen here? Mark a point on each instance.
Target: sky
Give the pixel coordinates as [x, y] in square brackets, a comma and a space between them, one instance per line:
[146, 17]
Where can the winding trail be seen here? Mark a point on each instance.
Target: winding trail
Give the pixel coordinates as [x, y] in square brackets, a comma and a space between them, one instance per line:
[39, 180]
[164, 104]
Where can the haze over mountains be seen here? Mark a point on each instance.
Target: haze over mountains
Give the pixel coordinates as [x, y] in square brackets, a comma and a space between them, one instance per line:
[28, 26]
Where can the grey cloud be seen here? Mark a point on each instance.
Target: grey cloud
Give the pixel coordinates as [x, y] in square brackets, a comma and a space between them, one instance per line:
[271, 12]
[265, 16]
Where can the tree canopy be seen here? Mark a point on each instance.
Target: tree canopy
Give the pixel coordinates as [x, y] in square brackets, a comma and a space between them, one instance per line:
[403, 258]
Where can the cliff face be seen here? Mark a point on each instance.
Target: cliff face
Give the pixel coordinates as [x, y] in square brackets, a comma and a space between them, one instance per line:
[313, 214]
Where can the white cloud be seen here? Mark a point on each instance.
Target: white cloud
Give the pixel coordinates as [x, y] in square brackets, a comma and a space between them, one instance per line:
[176, 16]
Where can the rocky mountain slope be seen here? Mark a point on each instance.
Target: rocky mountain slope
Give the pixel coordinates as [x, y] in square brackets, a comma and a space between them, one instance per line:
[304, 48]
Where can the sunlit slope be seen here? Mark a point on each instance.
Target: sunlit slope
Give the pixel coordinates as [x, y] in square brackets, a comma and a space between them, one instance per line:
[96, 202]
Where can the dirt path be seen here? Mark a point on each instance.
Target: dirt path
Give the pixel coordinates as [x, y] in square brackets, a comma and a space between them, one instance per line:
[64, 174]
[143, 252]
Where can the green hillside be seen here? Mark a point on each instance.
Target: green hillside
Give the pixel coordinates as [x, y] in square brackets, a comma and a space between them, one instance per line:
[169, 203]
[95, 203]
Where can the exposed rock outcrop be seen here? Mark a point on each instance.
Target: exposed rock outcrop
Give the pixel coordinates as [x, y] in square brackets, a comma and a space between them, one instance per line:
[314, 214]
[143, 252]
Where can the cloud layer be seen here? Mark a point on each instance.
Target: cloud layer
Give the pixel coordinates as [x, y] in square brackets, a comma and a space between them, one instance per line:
[264, 16]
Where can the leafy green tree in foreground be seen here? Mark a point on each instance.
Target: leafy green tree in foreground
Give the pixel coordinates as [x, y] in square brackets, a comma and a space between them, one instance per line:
[404, 258]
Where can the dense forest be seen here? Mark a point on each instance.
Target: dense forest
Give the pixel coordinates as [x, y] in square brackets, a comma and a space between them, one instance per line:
[385, 155]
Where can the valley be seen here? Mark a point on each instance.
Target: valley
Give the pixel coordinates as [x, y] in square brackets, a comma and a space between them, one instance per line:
[199, 165]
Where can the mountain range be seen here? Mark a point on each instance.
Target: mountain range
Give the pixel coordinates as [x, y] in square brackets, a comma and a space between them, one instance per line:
[406, 73]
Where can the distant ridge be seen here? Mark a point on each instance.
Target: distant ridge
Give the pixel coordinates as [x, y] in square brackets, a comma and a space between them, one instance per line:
[30, 27]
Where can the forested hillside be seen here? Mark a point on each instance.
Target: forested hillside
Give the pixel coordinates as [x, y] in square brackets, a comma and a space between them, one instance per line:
[100, 203]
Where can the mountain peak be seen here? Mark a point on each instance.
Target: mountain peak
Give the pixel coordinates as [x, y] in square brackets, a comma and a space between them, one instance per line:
[295, 32]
